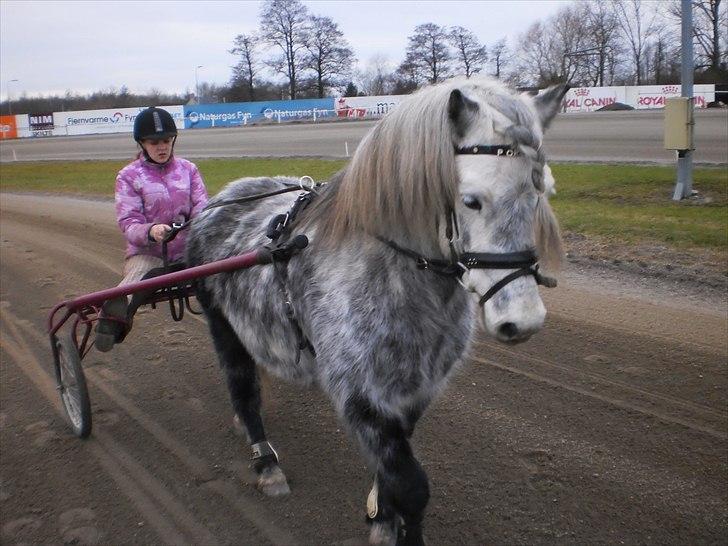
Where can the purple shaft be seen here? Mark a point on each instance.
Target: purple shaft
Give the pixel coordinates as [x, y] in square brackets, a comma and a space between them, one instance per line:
[249, 259]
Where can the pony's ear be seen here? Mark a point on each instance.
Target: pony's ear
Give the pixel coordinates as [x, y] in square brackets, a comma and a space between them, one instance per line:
[549, 102]
[461, 111]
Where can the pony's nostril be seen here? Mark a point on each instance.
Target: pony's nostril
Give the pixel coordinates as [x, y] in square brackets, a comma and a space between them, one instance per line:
[508, 330]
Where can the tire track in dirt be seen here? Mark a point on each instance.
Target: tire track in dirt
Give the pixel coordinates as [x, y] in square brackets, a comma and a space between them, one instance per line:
[254, 514]
[136, 485]
[609, 400]
[687, 404]
[65, 249]
[645, 319]
[632, 331]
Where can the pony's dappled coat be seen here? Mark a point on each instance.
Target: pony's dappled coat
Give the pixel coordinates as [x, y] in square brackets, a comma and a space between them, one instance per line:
[386, 333]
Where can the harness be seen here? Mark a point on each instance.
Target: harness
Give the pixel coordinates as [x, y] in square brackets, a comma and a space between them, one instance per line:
[525, 262]
[279, 231]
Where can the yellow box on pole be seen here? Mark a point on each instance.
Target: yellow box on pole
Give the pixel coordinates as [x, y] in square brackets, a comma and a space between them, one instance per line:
[679, 123]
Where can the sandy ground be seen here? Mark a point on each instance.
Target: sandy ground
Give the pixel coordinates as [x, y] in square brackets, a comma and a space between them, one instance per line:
[609, 427]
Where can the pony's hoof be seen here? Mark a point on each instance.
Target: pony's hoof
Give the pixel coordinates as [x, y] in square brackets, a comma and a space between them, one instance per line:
[382, 534]
[272, 482]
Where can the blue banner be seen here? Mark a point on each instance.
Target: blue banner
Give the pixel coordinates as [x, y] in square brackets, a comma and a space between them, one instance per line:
[241, 113]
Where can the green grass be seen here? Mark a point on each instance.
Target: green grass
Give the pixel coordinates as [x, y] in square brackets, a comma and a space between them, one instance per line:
[97, 177]
[620, 203]
[629, 204]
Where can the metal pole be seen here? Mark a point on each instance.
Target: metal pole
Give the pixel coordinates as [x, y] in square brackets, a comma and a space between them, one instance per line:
[10, 102]
[684, 185]
[197, 85]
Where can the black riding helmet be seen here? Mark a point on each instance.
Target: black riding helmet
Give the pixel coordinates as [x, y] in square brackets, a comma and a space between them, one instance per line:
[154, 123]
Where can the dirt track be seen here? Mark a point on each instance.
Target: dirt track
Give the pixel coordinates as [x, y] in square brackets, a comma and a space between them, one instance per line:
[609, 427]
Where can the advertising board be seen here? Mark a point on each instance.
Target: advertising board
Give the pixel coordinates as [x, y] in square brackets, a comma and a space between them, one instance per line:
[241, 113]
[653, 96]
[41, 124]
[359, 107]
[8, 127]
[119, 120]
[590, 99]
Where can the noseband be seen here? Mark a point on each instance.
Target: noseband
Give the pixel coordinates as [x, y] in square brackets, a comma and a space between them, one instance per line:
[525, 262]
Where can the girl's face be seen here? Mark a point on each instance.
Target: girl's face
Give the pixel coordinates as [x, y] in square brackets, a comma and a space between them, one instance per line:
[159, 150]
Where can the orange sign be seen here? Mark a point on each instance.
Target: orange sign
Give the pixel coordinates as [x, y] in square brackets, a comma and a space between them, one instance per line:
[7, 127]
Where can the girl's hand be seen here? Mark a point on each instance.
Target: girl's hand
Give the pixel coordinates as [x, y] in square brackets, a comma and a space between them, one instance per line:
[159, 231]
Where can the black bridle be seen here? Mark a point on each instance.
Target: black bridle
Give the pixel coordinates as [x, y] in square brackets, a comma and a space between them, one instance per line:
[524, 262]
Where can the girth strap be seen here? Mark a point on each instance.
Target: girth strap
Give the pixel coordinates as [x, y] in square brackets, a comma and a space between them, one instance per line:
[279, 231]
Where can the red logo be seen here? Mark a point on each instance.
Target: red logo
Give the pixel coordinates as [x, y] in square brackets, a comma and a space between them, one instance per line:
[581, 92]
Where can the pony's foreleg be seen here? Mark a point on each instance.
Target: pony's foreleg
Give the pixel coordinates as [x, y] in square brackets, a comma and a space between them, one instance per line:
[401, 487]
[242, 381]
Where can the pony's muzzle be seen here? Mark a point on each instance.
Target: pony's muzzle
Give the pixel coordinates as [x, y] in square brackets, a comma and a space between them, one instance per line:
[509, 332]
[516, 322]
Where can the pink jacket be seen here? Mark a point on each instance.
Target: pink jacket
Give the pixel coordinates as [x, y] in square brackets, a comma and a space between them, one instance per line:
[148, 194]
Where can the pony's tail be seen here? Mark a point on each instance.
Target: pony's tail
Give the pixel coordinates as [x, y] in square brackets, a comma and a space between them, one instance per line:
[548, 236]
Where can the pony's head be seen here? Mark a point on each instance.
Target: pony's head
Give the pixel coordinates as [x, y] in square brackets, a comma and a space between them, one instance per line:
[422, 168]
[502, 205]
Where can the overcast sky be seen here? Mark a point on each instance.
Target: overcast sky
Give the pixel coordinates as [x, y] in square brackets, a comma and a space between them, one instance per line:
[84, 46]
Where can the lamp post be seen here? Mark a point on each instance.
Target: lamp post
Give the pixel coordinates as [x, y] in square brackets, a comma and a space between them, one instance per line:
[197, 84]
[10, 102]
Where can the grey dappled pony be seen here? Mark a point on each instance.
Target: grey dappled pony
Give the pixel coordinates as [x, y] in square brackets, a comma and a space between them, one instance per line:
[454, 174]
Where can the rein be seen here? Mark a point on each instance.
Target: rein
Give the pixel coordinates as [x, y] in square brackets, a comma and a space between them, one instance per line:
[256, 197]
[525, 262]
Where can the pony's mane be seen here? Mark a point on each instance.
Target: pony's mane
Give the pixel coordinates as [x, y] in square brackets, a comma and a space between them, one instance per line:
[402, 179]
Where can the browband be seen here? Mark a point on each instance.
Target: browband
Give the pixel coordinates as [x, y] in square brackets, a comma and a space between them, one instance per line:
[495, 149]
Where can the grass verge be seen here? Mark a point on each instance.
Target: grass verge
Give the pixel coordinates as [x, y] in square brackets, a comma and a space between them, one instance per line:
[620, 204]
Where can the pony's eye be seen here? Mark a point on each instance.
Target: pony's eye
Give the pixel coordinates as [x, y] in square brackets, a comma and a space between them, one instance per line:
[471, 202]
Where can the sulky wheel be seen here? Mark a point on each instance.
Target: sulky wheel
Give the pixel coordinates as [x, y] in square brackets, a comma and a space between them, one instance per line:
[72, 386]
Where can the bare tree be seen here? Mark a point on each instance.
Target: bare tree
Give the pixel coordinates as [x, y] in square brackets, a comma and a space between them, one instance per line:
[329, 55]
[407, 78]
[499, 56]
[710, 31]
[637, 25]
[428, 52]
[709, 21]
[603, 32]
[284, 24]
[553, 51]
[246, 70]
[534, 64]
[376, 77]
[470, 54]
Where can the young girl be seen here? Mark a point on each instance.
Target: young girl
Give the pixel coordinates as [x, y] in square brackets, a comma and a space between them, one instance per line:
[152, 192]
